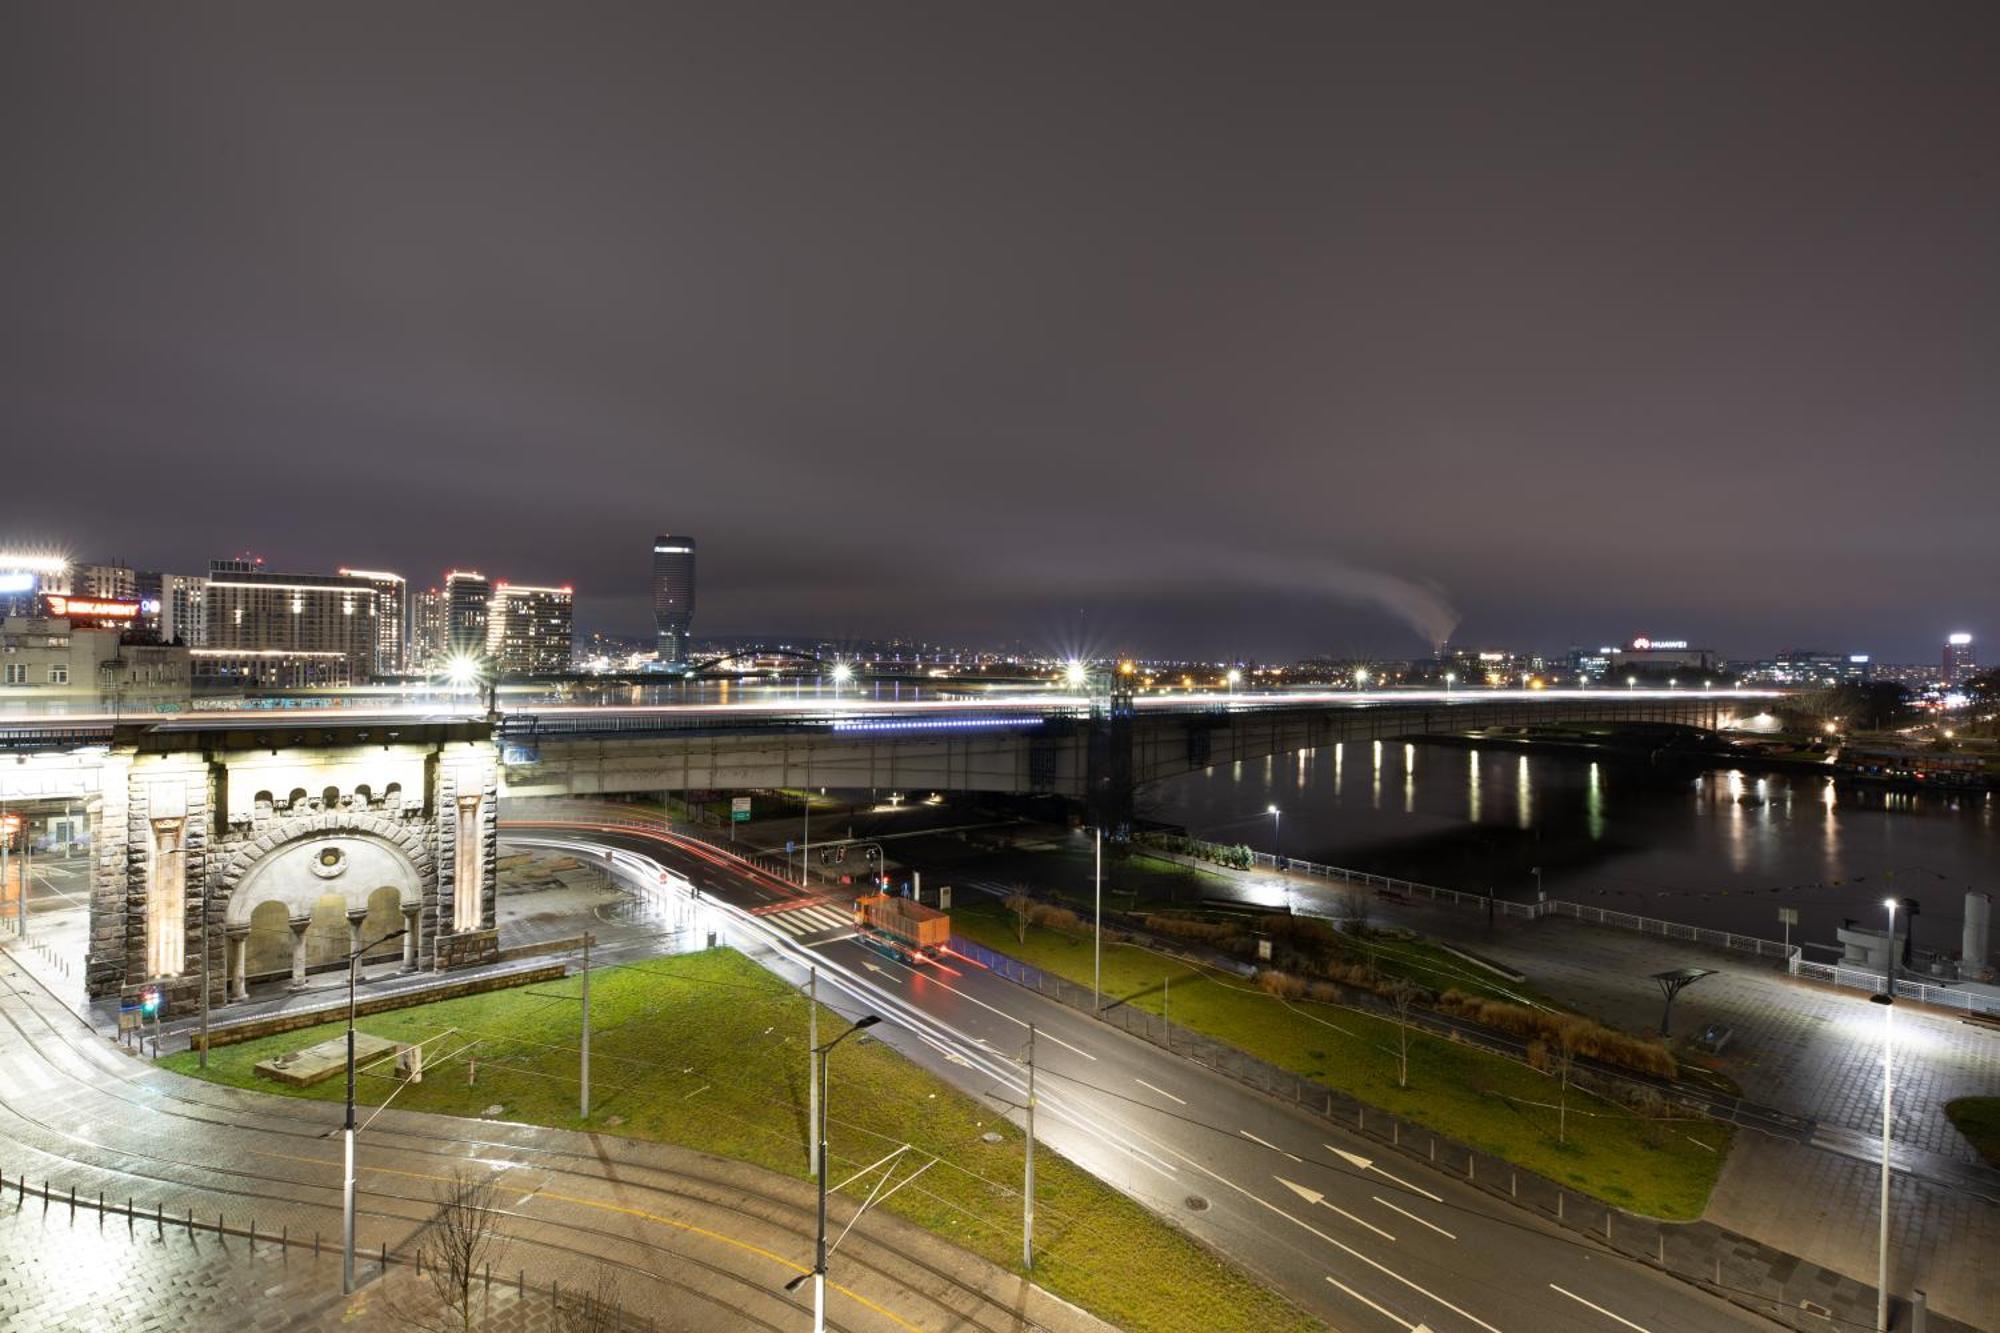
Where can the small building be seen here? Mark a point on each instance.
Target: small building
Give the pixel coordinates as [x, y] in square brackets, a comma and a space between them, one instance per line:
[85, 664]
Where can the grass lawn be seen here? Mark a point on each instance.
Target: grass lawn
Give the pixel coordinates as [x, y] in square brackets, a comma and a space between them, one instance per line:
[1662, 1168]
[709, 1051]
[1978, 1118]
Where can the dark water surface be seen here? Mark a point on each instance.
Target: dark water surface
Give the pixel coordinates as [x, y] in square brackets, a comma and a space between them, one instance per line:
[1681, 845]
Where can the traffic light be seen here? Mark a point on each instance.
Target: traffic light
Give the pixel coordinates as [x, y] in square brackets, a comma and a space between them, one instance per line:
[149, 1003]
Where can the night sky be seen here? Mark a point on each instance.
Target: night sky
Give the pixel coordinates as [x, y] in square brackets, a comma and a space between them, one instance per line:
[1144, 327]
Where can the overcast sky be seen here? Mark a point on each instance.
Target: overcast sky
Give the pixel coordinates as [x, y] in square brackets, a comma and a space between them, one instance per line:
[1147, 327]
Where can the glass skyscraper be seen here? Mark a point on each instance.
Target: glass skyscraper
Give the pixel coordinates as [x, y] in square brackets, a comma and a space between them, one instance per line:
[673, 595]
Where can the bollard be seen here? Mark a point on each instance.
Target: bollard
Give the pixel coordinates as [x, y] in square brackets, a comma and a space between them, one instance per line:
[1663, 1249]
[1434, 1148]
[1470, 1158]
[315, 1244]
[1559, 1205]
[521, 1283]
[1919, 1311]
[1513, 1184]
[489, 1277]
[72, 1203]
[385, 1258]
[128, 1215]
[160, 1220]
[1718, 1270]
[1396, 1133]
[253, 1236]
[190, 1224]
[285, 1241]
[1607, 1224]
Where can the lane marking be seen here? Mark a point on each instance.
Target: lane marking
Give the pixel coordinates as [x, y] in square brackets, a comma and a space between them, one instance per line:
[1267, 1143]
[1162, 1091]
[1413, 1217]
[1360, 1163]
[1041, 1034]
[1407, 1326]
[1600, 1309]
[1314, 1198]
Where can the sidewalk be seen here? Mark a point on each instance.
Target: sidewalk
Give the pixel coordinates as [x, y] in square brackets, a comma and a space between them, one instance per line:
[1811, 1050]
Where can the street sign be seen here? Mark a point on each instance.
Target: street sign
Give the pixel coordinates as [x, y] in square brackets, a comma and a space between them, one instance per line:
[790, 846]
[1789, 915]
[739, 809]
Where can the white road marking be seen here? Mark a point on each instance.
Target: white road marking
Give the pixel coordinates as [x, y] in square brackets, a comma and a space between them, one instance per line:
[1413, 1217]
[1266, 1143]
[834, 939]
[1314, 1197]
[1600, 1309]
[1360, 1163]
[1405, 1324]
[1162, 1091]
[1041, 1034]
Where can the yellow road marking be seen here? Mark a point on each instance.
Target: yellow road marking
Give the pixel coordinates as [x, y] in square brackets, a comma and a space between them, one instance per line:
[641, 1213]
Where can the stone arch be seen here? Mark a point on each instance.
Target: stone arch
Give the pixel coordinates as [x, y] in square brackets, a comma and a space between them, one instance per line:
[301, 860]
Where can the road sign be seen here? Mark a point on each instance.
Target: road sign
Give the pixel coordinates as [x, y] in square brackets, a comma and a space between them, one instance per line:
[790, 846]
[739, 809]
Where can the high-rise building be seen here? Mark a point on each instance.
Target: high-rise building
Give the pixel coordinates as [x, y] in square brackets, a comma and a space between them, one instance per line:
[249, 609]
[184, 609]
[1960, 664]
[427, 622]
[673, 595]
[467, 594]
[392, 619]
[105, 583]
[529, 630]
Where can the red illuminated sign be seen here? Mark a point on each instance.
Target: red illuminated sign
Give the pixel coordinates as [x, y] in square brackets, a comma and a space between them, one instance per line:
[90, 608]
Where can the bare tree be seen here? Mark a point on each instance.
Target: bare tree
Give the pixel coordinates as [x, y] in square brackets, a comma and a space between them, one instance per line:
[591, 1309]
[1403, 995]
[1023, 908]
[458, 1246]
[1569, 1031]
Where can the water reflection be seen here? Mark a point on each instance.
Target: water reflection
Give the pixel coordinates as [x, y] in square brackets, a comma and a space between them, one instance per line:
[1673, 844]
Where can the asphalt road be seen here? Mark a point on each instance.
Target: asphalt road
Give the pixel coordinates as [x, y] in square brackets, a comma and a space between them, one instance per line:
[695, 1243]
[1303, 1207]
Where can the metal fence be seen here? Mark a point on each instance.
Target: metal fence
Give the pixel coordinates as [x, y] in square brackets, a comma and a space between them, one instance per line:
[530, 1304]
[1792, 955]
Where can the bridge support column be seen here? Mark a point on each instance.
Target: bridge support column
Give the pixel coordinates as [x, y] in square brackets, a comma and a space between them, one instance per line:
[411, 912]
[355, 917]
[299, 926]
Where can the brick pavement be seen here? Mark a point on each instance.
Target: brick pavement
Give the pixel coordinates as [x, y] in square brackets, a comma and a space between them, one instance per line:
[87, 1272]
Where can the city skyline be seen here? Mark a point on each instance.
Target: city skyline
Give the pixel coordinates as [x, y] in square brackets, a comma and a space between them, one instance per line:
[1228, 345]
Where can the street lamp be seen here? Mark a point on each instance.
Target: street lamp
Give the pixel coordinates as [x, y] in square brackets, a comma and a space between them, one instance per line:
[1076, 675]
[1887, 999]
[1277, 843]
[1450, 679]
[1235, 678]
[1360, 677]
[347, 1131]
[818, 1274]
[842, 674]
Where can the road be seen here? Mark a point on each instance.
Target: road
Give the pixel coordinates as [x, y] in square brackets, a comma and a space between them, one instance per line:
[1303, 1207]
[697, 1243]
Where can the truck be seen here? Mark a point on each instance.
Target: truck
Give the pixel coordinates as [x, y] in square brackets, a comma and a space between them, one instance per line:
[907, 927]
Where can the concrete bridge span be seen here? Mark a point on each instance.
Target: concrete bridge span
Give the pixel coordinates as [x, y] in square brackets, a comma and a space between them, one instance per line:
[250, 840]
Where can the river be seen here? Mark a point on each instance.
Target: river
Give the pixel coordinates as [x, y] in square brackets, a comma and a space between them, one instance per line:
[1614, 833]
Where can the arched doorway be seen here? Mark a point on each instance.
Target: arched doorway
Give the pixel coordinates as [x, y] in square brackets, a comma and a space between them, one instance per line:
[305, 903]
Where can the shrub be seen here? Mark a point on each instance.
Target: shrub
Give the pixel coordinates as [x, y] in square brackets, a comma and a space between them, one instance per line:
[1281, 984]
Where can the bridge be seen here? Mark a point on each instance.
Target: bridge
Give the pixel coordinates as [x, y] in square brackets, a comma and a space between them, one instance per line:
[273, 843]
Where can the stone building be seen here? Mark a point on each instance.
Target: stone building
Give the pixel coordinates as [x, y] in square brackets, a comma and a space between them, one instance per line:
[292, 846]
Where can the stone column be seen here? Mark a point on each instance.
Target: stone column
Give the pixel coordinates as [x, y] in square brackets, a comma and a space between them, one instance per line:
[411, 911]
[355, 917]
[299, 925]
[236, 966]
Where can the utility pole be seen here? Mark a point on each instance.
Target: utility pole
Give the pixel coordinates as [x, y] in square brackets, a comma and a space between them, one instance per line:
[812, 1067]
[1166, 995]
[1028, 1185]
[1097, 934]
[181, 851]
[347, 1131]
[806, 847]
[583, 1109]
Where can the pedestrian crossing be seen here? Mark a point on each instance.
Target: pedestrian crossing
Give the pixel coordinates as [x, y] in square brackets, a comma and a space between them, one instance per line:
[812, 919]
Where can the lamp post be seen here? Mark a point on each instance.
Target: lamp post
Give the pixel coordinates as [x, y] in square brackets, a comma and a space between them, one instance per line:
[818, 1274]
[1277, 844]
[1887, 999]
[1097, 930]
[347, 1130]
